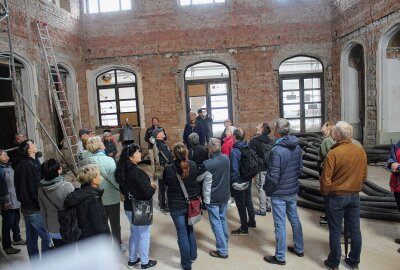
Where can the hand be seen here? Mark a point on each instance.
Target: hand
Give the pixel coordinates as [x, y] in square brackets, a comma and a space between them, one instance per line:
[153, 185]
[394, 166]
[7, 206]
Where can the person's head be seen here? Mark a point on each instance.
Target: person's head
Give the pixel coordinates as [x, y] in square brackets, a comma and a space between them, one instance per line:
[94, 144]
[343, 131]
[130, 155]
[89, 175]
[229, 131]
[327, 129]
[181, 155]
[27, 148]
[194, 139]
[155, 121]
[19, 138]
[4, 158]
[227, 123]
[192, 116]
[158, 134]
[214, 146]
[84, 133]
[50, 169]
[281, 127]
[107, 136]
[200, 112]
[264, 129]
[238, 135]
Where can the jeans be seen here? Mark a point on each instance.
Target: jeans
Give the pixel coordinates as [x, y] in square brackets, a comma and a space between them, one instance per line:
[243, 203]
[35, 228]
[282, 206]
[139, 241]
[186, 238]
[347, 207]
[265, 202]
[113, 216]
[162, 198]
[10, 223]
[219, 226]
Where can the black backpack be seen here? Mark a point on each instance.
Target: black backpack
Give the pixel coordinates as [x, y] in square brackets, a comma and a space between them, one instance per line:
[248, 166]
[266, 152]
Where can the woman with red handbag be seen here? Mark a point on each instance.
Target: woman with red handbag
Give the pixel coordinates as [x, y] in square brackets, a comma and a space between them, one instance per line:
[178, 204]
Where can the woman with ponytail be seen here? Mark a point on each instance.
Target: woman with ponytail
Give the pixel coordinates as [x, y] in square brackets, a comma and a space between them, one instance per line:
[177, 204]
[134, 182]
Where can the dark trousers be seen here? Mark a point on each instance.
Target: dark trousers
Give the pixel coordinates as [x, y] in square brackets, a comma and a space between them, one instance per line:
[245, 206]
[126, 143]
[113, 216]
[397, 197]
[10, 223]
[162, 198]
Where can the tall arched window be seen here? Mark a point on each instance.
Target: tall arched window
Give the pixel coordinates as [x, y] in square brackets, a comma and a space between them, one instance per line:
[301, 93]
[117, 98]
[208, 87]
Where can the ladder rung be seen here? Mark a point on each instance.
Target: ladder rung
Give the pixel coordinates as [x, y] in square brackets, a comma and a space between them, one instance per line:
[5, 79]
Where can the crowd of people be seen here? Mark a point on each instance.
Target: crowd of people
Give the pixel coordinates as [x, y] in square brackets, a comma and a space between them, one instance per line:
[214, 169]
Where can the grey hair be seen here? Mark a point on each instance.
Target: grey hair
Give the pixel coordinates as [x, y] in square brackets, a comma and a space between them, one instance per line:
[194, 139]
[344, 129]
[214, 145]
[282, 126]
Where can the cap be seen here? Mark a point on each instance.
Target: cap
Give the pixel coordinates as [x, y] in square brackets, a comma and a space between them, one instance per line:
[84, 131]
[156, 131]
[199, 110]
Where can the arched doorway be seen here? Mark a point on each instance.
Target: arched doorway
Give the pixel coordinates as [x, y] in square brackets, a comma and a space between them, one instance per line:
[302, 93]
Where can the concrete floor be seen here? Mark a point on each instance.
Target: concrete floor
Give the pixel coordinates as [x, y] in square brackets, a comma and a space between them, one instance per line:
[246, 252]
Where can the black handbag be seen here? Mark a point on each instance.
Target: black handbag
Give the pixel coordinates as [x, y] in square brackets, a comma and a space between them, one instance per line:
[142, 211]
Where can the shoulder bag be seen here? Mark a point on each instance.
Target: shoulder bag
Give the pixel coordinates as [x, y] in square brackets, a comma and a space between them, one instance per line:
[142, 211]
[194, 205]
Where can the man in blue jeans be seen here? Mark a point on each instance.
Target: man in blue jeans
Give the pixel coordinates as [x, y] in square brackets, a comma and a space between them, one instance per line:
[216, 193]
[282, 184]
[342, 178]
[27, 180]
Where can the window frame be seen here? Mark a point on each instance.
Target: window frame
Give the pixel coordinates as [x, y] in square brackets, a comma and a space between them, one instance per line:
[200, 4]
[86, 7]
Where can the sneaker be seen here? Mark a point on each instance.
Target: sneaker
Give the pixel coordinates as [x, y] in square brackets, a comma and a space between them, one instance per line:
[12, 250]
[149, 265]
[298, 254]
[216, 254]
[397, 241]
[239, 232]
[269, 209]
[19, 243]
[349, 264]
[132, 264]
[323, 222]
[252, 224]
[165, 211]
[259, 213]
[273, 260]
[329, 266]
[398, 250]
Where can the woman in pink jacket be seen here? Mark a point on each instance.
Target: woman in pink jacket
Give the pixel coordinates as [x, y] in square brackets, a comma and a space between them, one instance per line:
[228, 141]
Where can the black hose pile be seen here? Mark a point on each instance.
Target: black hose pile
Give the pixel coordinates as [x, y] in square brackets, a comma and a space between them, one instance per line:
[376, 202]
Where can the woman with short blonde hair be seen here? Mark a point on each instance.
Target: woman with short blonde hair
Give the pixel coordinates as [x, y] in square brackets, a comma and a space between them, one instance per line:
[94, 144]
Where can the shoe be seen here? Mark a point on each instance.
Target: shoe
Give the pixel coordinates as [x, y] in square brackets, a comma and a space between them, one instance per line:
[398, 250]
[349, 264]
[132, 264]
[323, 217]
[149, 265]
[298, 254]
[397, 241]
[239, 232]
[19, 243]
[273, 260]
[12, 250]
[329, 266]
[323, 222]
[165, 211]
[216, 254]
[259, 213]
[252, 224]
[269, 209]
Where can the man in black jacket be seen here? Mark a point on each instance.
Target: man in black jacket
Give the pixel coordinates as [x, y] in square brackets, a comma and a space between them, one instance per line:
[27, 180]
[148, 136]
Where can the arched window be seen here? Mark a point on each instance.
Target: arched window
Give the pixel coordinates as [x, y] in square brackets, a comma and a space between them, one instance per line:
[301, 93]
[117, 98]
[207, 86]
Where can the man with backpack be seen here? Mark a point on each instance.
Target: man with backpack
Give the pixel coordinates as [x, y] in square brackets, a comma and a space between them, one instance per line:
[262, 145]
[244, 166]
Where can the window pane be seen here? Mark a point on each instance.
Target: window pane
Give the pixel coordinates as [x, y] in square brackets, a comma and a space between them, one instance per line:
[206, 70]
[106, 78]
[107, 94]
[109, 120]
[196, 90]
[125, 77]
[313, 109]
[300, 64]
[126, 4]
[93, 6]
[312, 95]
[294, 125]
[218, 129]
[109, 5]
[126, 93]
[312, 83]
[291, 111]
[197, 103]
[202, 2]
[313, 124]
[185, 2]
[127, 106]
[290, 84]
[291, 97]
[108, 107]
[219, 1]
[219, 101]
[132, 117]
[218, 88]
[220, 114]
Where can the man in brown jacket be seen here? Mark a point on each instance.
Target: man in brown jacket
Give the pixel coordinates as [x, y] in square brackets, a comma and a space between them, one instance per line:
[342, 178]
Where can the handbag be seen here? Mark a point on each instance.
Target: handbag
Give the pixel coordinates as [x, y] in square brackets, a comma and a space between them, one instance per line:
[158, 169]
[194, 205]
[142, 211]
